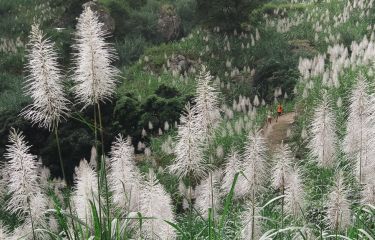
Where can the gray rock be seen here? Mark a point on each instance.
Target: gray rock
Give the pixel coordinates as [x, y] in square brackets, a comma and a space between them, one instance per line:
[181, 64]
[103, 15]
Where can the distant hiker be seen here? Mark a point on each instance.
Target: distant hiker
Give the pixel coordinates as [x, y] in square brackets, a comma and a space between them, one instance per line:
[269, 117]
[279, 111]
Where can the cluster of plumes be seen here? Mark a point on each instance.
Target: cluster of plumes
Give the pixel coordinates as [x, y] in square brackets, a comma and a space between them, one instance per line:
[340, 58]
[246, 40]
[26, 180]
[287, 180]
[10, 45]
[325, 23]
[129, 192]
[94, 75]
[44, 83]
[196, 129]
[23, 182]
[322, 143]
[357, 143]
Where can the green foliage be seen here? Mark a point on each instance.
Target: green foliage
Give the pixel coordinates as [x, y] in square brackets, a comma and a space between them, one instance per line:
[130, 49]
[226, 14]
[273, 74]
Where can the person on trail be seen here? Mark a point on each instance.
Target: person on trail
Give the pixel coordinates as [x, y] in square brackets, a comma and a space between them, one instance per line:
[269, 117]
[279, 111]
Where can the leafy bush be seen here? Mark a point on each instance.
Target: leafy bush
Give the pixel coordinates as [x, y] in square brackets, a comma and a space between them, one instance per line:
[186, 11]
[130, 49]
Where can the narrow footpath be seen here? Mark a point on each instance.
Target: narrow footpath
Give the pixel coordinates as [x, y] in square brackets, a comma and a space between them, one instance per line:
[276, 132]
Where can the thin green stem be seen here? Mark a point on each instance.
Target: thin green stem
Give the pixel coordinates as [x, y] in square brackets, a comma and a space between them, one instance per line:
[66, 199]
[104, 166]
[98, 168]
[60, 156]
[253, 215]
[31, 219]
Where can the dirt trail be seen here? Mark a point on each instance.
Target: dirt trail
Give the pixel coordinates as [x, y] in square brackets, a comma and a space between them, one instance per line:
[277, 131]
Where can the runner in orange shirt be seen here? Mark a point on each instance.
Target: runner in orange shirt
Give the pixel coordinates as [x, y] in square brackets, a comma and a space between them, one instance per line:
[279, 111]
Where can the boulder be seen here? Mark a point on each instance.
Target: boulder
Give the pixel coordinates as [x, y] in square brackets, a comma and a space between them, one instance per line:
[180, 64]
[169, 23]
[103, 15]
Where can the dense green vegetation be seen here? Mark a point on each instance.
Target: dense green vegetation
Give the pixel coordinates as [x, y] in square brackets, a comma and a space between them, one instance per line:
[252, 49]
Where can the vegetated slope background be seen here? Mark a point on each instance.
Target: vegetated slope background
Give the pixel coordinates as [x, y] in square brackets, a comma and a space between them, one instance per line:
[258, 51]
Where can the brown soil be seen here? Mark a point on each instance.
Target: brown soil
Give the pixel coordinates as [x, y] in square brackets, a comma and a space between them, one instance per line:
[276, 132]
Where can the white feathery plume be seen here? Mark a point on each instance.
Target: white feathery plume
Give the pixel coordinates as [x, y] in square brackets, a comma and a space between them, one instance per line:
[251, 223]
[368, 193]
[44, 175]
[256, 101]
[4, 232]
[38, 207]
[2, 184]
[294, 194]
[208, 194]
[124, 177]
[206, 108]
[232, 167]
[156, 203]
[356, 142]
[94, 75]
[93, 157]
[21, 232]
[44, 83]
[22, 170]
[322, 134]
[306, 231]
[254, 164]
[281, 171]
[27, 198]
[189, 159]
[85, 190]
[338, 206]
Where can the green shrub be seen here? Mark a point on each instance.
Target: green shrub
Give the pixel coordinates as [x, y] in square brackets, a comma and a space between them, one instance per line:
[186, 11]
[130, 49]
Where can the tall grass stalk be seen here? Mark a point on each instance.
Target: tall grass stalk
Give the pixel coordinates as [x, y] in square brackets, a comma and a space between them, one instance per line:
[104, 169]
